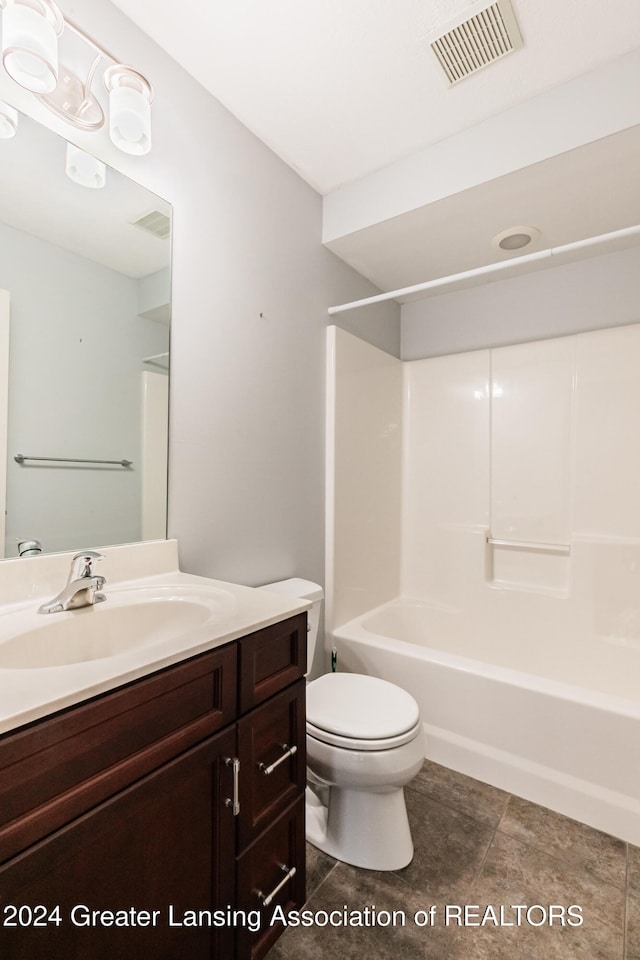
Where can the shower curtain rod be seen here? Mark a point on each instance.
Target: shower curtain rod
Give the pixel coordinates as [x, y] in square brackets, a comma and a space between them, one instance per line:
[490, 268]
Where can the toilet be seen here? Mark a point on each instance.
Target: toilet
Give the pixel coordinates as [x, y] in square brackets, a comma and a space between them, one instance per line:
[365, 742]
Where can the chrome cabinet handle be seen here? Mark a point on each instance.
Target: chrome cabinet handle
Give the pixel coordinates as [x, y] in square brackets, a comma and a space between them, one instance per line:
[234, 803]
[289, 752]
[289, 873]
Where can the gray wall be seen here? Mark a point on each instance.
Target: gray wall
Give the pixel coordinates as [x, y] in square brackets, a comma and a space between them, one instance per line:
[601, 291]
[76, 344]
[250, 289]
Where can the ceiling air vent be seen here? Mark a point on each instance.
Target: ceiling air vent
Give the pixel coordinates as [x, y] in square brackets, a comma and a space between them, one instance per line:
[469, 43]
[155, 223]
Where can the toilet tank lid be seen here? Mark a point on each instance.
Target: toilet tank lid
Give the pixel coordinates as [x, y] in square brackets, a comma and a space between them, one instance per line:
[296, 587]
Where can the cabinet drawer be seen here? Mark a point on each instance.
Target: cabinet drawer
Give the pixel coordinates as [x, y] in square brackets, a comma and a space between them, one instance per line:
[271, 743]
[56, 769]
[271, 659]
[261, 870]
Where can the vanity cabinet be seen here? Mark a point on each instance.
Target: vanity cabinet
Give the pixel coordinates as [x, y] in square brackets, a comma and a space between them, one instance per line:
[162, 819]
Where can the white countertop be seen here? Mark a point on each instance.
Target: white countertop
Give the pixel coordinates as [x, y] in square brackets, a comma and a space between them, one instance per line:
[30, 693]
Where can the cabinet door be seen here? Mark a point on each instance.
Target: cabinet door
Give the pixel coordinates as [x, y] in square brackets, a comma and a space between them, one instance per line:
[148, 861]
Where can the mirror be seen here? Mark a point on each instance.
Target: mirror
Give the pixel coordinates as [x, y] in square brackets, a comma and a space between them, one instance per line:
[84, 352]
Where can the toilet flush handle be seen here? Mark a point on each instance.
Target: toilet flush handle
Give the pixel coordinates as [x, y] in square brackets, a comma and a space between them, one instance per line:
[288, 752]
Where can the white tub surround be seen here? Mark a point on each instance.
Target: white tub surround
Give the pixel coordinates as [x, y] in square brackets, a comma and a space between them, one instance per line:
[364, 448]
[149, 569]
[519, 634]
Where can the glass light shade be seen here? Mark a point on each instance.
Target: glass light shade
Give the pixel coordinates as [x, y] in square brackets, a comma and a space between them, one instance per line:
[129, 112]
[8, 121]
[30, 46]
[515, 238]
[84, 169]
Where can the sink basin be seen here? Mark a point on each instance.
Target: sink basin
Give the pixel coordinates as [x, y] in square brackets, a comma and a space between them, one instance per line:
[129, 619]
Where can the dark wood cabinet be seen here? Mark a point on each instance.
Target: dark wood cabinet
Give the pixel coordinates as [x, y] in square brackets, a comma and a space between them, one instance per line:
[147, 849]
[161, 820]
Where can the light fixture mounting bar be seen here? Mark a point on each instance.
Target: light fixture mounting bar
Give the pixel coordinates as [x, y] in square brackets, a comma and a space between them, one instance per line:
[79, 32]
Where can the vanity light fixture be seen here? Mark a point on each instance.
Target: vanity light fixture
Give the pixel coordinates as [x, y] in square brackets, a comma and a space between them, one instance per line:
[84, 169]
[30, 33]
[129, 109]
[8, 121]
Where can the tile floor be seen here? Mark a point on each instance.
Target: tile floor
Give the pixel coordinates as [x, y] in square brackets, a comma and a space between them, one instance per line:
[476, 845]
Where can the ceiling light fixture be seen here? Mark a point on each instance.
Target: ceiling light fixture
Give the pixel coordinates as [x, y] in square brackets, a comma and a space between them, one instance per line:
[30, 33]
[8, 121]
[515, 238]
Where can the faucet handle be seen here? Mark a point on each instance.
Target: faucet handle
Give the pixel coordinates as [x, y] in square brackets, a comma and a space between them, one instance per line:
[82, 564]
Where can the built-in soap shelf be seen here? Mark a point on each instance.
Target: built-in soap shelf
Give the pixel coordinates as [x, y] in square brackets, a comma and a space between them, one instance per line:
[531, 545]
[528, 565]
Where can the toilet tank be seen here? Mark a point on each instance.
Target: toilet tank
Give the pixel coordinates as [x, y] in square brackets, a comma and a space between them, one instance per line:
[305, 590]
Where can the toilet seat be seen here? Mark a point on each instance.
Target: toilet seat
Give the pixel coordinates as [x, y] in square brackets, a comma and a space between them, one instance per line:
[359, 712]
[351, 743]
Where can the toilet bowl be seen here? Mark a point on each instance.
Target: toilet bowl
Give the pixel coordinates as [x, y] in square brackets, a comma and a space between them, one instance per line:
[365, 742]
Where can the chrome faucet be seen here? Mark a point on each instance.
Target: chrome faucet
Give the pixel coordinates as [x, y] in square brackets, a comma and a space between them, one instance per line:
[82, 588]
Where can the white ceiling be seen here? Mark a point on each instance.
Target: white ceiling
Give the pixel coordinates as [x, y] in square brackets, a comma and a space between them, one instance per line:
[339, 88]
[342, 88]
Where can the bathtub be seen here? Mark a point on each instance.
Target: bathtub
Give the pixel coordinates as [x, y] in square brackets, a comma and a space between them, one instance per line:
[560, 729]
